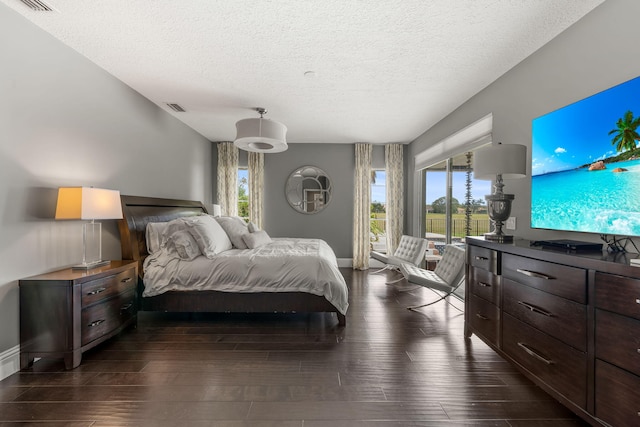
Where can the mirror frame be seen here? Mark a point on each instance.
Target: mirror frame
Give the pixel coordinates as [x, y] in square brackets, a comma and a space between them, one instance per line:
[294, 188]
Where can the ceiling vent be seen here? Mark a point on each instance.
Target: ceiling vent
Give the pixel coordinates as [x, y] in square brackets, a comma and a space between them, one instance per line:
[176, 107]
[37, 5]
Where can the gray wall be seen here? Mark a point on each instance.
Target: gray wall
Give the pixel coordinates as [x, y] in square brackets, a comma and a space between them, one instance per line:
[66, 122]
[594, 54]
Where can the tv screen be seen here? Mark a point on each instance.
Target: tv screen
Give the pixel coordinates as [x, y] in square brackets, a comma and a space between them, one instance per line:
[585, 171]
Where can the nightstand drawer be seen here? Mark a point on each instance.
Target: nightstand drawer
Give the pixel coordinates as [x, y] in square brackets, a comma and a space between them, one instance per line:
[560, 366]
[559, 317]
[484, 318]
[617, 396]
[484, 284]
[562, 280]
[618, 294]
[106, 287]
[100, 319]
[618, 340]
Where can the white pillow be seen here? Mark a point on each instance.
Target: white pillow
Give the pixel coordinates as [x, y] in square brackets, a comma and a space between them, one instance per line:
[154, 233]
[184, 244]
[235, 228]
[257, 239]
[210, 236]
[252, 227]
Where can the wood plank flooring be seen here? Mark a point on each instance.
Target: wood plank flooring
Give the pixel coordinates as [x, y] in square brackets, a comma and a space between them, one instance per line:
[387, 367]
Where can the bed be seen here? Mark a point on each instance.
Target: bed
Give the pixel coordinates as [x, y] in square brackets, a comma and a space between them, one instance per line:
[140, 211]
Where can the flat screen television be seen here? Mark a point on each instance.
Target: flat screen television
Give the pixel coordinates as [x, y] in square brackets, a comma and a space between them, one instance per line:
[585, 164]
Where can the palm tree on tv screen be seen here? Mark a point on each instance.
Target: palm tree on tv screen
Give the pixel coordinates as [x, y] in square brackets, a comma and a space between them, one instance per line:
[626, 132]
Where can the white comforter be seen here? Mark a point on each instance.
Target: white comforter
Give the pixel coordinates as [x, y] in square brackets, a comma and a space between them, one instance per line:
[284, 265]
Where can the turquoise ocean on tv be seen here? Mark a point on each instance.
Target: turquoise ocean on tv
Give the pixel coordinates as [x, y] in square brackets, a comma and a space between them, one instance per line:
[602, 201]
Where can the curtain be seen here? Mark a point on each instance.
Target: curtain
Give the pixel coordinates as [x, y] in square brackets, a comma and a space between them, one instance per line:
[395, 194]
[362, 207]
[228, 178]
[256, 187]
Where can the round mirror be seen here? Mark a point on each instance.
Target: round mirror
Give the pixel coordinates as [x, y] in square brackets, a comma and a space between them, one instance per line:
[308, 189]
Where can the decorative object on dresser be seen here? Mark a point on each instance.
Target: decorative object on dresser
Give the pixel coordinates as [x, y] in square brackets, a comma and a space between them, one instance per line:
[500, 161]
[261, 135]
[66, 312]
[140, 211]
[568, 321]
[88, 203]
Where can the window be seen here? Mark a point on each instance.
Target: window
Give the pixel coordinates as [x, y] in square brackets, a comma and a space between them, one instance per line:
[378, 222]
[453, 206]
[243, 193]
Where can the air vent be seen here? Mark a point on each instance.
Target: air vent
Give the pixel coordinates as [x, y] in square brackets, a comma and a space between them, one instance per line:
[176, 107]
[37, 5]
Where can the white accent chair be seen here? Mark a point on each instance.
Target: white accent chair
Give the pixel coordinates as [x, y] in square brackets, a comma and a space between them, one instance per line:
[410, 251]
[446, 279]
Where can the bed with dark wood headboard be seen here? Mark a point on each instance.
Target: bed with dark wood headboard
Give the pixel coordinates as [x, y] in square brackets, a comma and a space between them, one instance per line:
[139, 211]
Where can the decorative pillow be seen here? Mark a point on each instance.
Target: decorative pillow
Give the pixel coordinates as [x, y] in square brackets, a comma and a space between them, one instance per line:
[252, 227]
[184, 244]
[210, 236]
[154, 233]
[257, 239]
[235, 228]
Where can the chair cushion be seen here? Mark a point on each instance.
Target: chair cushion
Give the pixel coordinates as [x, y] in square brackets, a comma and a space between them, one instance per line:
[451, 266]
[426, 278]
[410, 249]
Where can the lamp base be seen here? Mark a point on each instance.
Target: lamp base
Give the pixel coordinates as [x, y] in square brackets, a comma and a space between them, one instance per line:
[90, 265]
[499, 238]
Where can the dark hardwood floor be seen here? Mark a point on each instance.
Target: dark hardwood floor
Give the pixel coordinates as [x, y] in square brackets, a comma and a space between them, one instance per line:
[387, 367]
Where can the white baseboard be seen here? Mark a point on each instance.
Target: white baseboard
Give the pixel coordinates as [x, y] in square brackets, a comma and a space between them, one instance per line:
[345, 262]
[9, 362]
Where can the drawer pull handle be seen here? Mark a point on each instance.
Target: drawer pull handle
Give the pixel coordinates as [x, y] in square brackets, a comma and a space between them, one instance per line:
[126, 307]
[535, 309]
[482, 258]
[534, 274]
[480, 316]
[637, 300]
[484, 285]
[96, 323]
[532, 353]
[126, 280]
[97, 291]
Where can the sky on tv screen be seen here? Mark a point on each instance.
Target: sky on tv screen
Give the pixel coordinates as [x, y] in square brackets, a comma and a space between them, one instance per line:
[578, 134]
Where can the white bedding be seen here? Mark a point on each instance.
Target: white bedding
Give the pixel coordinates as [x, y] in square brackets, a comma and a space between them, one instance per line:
[284, 265]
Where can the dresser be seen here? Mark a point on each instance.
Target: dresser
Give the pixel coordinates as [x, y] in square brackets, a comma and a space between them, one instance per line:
[570, 322]
[64, 313]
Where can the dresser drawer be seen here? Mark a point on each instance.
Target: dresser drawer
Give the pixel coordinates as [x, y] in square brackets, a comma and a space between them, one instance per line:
[106, 287]
[484, 318]
[484, 258]
[484, 284]
[617, 396]
[562, 280]
[100, 319]
[618, 340]
[559, 317]
[558, 365]
[618, 294]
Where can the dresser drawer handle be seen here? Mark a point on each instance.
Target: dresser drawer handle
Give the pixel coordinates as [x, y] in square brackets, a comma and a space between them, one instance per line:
[532, 353]
[481, 258]
[535, 309]
[126, 307]
[484, 285]
[637, 300]
[534, 274]
[125, 280]
[97, 291]
[483, 317]
[96, 323]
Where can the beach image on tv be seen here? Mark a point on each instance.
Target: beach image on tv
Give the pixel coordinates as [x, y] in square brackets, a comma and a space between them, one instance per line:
[585, 171]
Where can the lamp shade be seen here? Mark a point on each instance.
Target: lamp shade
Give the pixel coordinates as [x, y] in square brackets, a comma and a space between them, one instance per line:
[261, 136]
[508, 160]
[88, 203]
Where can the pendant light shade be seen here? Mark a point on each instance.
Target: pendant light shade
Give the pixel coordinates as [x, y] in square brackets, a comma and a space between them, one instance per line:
[261, 135]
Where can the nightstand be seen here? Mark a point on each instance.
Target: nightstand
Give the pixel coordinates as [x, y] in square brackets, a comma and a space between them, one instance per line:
[65, 313]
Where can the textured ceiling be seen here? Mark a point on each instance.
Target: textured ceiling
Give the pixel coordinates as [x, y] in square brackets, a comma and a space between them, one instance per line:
[384, 70]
